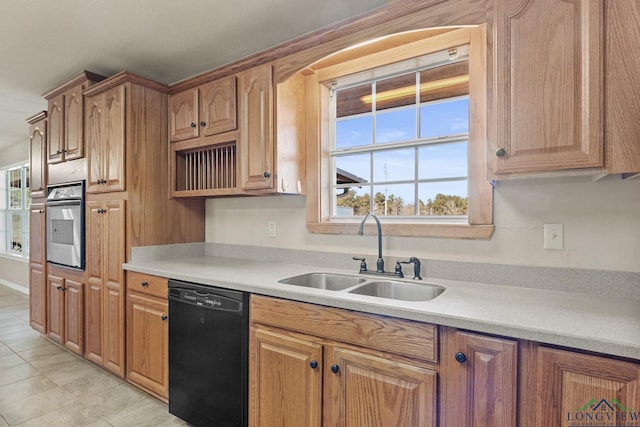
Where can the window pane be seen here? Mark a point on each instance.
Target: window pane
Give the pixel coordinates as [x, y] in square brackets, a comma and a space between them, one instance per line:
[394, 165]
[396, 125]
[444, 118]
[394, 200]
[15, 199]
[443, 198]
[442, 161]
[355, 100]
[443, 82]
[16, 232]
[353, 169]
[396, 92]
[352, 201]
[354, 132]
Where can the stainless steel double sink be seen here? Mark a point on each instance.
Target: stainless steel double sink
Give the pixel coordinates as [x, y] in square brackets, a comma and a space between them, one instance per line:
[370, 286]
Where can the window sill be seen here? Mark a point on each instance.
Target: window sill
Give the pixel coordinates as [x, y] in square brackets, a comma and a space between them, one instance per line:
[13, 257]
[448, 231]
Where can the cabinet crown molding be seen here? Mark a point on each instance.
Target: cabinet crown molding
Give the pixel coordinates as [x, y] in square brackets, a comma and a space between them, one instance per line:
[80, 78]
[37, 117]
[125, 77]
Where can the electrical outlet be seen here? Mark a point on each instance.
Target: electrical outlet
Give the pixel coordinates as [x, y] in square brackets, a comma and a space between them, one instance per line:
[273, 232]
[554, 236]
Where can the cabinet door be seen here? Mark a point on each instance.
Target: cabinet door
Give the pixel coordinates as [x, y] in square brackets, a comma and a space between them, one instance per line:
[55, 137]
[37, 224]
[93, 320]
[478, 380]
[548, 85]
[114, 139]
[256, 135]
[113, 279]
[95, 140]
[183, 115]
[73, 123]
[55, 309]
[622, 86]
[37, 298]
[365, 390]
[74, 316]
[218, 106]
[37, 158]
[285, 381]
[148, 343]
[574, 387]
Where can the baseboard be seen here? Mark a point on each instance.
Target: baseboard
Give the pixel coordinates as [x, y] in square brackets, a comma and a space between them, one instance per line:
[14, 286]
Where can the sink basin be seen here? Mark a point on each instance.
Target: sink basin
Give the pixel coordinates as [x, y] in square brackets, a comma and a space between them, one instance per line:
[399, 290]
[332, 282]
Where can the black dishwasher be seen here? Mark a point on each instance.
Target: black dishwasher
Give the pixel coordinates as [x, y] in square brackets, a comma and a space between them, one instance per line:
[208, 354]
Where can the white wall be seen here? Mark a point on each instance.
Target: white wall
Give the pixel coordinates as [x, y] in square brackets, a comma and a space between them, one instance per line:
[601, 226]
[15, 153]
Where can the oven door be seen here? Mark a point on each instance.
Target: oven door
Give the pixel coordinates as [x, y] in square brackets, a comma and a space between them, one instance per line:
[65, 234]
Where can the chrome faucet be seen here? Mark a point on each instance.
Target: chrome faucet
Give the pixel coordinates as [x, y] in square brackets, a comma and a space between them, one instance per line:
[380, 262]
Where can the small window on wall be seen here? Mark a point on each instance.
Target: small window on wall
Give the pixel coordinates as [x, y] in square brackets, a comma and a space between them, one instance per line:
[14, 211]
[400, 135]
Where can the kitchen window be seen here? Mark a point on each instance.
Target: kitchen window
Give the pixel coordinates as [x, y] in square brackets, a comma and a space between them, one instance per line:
[14, 211]
[399, 141]
[405, 139]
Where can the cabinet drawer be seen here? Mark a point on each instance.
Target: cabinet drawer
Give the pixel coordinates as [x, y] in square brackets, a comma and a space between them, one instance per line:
[147, 284]
[403, 337]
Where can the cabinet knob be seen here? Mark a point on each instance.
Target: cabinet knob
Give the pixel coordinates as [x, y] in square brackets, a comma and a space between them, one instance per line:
[203, 124]
[193, 125]
[460, 357]
[266, 174]
[335, 368]
[144, 284]
[59, 288]
[500, 152]
[164, 317]
[313, 364]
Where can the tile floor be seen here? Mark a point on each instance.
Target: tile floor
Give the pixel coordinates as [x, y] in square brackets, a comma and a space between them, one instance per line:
[42, 384]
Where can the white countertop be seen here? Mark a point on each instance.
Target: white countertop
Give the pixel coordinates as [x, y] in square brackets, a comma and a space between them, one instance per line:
[609, 325]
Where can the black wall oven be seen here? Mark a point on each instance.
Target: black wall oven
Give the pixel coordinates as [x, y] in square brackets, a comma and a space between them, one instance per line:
[65, 224]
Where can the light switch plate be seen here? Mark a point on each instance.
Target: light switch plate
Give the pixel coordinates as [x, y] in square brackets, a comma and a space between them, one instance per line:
[554, 236]
[273, 231]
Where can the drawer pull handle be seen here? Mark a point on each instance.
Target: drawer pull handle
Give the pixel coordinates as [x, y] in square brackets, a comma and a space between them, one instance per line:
[335, 369]
[203, 124]
[313, 364]
[193, 125]
[164, 317]
[144, 284]
[460, 357]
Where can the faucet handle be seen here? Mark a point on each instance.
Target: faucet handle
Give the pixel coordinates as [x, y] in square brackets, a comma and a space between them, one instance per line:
[416, 267]
[363, 263]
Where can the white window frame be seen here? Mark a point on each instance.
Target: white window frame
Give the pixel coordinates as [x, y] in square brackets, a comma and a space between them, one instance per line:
[7, 212]
[414, 65]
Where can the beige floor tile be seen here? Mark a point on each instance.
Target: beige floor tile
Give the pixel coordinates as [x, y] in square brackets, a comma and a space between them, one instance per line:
[25, 342]
[17, 373]
[146, 413]
[3, 423]
[53, 362]
[75, 415]
[9, 361]
[114, 400]
[21, 411]
[42, 349]
[23, 389]
[6, 338]
[10, 330]
[91, 383]
[70, 371]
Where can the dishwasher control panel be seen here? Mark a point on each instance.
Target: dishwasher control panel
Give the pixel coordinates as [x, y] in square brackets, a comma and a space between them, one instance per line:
[207, 300]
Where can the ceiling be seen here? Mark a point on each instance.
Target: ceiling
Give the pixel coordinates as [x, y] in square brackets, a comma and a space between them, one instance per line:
[43, 43]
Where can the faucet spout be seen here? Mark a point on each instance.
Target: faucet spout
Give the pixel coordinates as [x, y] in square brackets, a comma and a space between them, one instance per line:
[380, 261]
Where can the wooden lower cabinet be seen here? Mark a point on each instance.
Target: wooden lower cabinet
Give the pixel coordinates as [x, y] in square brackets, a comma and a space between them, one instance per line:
[298, 379]
[65, 317]
[37, 298]
[581, 389]
[479, 379]
[148, 333]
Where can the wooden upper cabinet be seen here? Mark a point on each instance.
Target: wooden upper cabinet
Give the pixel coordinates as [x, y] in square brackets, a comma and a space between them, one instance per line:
[479, 377]
[203, 111]
[66, 117]
[105, 132]
[183, 115]
[256, 128]
[37, 154]
[548, 78]
[574, 387]
[622, 86]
